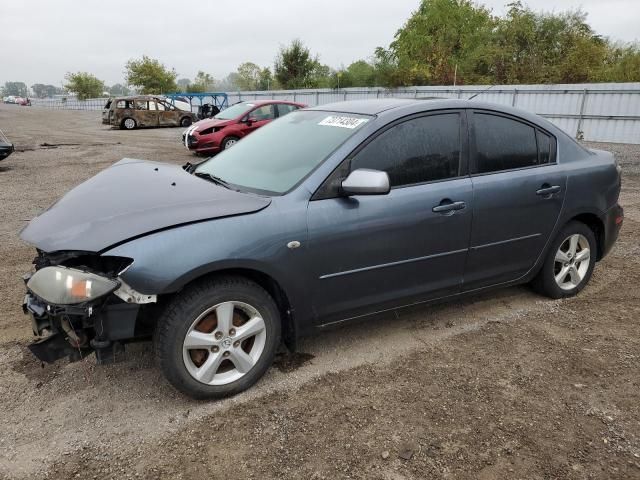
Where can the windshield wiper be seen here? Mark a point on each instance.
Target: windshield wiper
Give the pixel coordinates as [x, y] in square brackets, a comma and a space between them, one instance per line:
[214, 179]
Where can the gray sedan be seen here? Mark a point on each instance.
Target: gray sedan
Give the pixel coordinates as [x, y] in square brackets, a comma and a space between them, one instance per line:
[327, 215]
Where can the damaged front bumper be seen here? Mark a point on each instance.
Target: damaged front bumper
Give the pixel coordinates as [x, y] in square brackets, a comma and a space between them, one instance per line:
[75, 331]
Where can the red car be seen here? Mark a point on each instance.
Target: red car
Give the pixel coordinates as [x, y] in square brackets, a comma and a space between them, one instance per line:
[215, 134]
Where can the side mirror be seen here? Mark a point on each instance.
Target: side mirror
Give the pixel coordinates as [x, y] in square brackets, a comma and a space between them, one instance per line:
[364, 181]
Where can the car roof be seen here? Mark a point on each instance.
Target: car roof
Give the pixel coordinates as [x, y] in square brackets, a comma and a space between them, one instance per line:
[416, 105]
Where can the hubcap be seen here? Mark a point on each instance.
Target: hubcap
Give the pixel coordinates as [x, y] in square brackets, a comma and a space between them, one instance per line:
[209, 353]
[572, 261]
[129, 123]
[230, 143]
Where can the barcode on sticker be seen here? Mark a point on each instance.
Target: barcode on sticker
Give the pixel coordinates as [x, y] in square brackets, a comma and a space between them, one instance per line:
[344, 122]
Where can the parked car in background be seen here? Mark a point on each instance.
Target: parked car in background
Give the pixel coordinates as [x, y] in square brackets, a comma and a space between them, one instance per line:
[230, 125]
[24, 102]
[9, 99]
[144, 111]
[329, 214]
[6, 147]
[181, 103]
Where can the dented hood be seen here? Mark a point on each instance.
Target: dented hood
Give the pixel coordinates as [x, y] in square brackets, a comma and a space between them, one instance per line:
[130, 199]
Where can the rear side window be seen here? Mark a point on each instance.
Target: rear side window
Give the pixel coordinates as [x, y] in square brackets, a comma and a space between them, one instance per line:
[504, 144]
[420, 150]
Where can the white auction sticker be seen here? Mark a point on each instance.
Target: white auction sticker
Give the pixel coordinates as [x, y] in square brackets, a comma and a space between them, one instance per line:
[344, 122]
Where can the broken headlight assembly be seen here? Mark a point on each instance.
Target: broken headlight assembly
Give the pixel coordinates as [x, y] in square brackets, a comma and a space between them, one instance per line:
[67, 286]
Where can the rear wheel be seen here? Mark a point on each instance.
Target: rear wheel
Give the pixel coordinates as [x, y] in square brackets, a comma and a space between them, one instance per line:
[185, 121]
[129, 124]
[218, 337]
[569, 263]
[229, 142]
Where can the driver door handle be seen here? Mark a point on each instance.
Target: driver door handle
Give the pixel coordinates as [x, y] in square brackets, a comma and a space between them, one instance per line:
[548, 190]
[448, 207]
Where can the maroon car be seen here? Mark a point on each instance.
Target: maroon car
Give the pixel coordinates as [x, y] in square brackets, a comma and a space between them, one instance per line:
[230, 125]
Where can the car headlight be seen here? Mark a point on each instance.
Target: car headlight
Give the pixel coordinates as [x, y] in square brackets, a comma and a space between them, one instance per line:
[67, 286]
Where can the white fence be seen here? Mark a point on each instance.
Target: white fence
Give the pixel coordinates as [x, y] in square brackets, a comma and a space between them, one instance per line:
[602, 112]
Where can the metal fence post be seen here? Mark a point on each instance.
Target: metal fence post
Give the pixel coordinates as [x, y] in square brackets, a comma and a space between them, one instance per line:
[579, 132]
[515, 97]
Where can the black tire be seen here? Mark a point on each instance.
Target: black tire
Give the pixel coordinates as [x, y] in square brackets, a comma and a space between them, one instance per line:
[229, 142]
[129, 124]
[545, 282]
[185, 121]
[182, 312]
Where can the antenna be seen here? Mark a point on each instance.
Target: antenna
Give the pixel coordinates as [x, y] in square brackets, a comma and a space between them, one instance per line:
[481, 92]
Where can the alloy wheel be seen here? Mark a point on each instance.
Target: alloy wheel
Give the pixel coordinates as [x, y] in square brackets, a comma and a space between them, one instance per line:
[572, 261]
[130, 123]
[224, 343]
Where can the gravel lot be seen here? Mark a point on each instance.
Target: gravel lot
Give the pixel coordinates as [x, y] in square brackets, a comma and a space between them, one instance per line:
[502, 385]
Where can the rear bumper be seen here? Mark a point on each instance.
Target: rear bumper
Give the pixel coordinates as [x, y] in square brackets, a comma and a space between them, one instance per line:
[612, 221]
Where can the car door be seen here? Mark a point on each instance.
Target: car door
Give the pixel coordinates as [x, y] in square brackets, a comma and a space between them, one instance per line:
[167, 114]
[146, 113]
[258, 117]
[370, 253]
[518, 194]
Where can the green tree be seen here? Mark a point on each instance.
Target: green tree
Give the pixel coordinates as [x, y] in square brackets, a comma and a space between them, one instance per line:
[359, 74]
[17, 89]
[41, 90]
[119, 89]
[84, 85]
[294, 66]
[203, 82]
[249, 76]
[150, 76]
[266, 80]
[438, 36]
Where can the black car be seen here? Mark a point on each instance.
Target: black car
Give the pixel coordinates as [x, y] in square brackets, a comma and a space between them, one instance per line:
[6, 147]
[325, 215]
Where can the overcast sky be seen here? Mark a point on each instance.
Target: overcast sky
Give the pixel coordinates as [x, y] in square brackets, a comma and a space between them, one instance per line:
[41, 40]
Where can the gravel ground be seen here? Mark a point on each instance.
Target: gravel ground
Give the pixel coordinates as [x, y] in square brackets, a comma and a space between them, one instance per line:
[501, 385]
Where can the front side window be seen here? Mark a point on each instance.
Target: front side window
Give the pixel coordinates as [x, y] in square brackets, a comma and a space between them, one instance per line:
[284, 108]
[423, 149]
[503, 143]
[265, 112]
[278, 156]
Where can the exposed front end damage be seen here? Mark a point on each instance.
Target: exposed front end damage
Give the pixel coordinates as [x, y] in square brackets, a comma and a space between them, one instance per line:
[104, 314]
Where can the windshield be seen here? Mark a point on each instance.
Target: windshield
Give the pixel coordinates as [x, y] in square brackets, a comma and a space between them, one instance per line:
[276, 157]
[234, 111]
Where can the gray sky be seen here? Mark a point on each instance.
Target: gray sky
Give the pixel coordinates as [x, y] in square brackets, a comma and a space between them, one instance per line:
[44, 39]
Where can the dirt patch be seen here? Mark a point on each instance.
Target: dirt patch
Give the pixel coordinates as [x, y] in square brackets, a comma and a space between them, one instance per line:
[501, 385]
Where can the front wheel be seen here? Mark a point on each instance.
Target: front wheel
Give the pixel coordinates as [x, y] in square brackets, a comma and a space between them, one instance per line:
[569, 263]
[217, 337]
[229, 142]
[185, 121]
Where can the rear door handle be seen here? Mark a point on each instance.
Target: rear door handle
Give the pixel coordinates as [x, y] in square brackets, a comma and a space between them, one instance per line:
[449, 207]
[548, 190]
